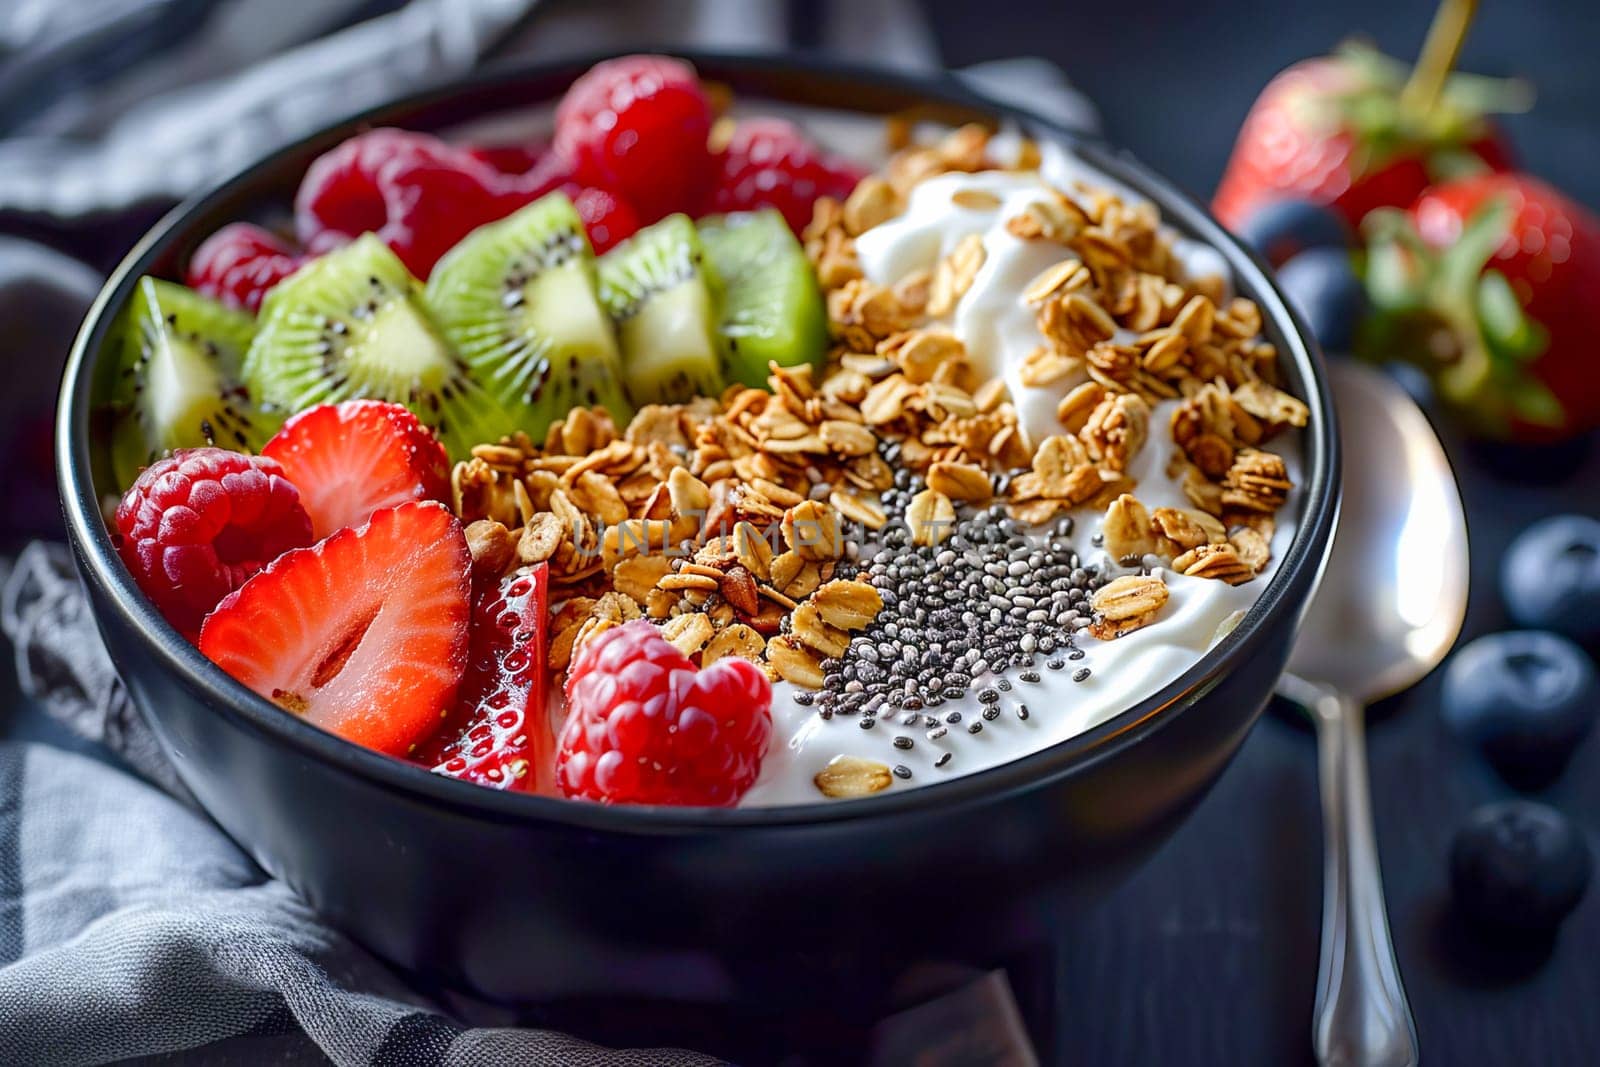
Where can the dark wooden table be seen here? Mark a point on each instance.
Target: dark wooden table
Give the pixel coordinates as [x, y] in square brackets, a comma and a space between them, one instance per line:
[1209, 955]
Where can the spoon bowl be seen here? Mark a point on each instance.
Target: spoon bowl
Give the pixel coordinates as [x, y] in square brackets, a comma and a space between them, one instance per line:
[1394, 592]
[1390, 604]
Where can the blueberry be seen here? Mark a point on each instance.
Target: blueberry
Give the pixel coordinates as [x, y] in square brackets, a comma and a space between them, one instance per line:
[1526, 697]
[1550, 577]
[1284, 228]
[1323, 287]
[1413, 379]
[1518, 865]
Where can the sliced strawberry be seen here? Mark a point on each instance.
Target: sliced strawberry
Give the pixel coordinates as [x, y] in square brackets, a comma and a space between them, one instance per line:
[499, 733]
[350, 459]
[364, 634]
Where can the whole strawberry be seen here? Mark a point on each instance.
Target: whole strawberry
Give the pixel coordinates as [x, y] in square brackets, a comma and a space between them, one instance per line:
[1490, 283]
[1353, 132]
[645, 726]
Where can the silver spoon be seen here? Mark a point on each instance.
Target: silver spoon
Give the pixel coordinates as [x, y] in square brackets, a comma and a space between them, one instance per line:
[1389, 607]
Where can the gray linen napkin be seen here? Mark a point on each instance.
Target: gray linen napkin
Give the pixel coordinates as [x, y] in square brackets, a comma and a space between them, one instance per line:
[130, 926]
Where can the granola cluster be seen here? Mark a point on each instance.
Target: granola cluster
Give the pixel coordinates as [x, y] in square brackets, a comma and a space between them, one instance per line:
[1118, 313]
[721, 518]
[724, 518]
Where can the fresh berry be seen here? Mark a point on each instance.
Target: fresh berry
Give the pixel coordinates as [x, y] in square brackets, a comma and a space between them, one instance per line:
[1333, 130]
[1488, 283]
[499, 734]
[342, 191]
[1284, 228]
[1550, 577]
[417, 193]
[553, 172]
[350, 459]
[198, 523]
[638, 125]
[606, 217]
[1322, 285]
[510, 159]
[432, 206]
[1526, 697]
[239, 263]
[1413, 379]
[771, 163]
[364, 634]
[644, 726]
[1518, 866]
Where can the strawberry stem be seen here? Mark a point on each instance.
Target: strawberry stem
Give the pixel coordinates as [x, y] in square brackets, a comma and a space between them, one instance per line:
[1446, 34]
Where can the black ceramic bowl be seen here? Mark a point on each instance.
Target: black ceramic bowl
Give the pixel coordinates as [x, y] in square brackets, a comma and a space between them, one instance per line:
[524, 897]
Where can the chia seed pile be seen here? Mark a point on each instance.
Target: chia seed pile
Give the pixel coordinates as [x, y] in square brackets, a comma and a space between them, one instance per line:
[992, 597]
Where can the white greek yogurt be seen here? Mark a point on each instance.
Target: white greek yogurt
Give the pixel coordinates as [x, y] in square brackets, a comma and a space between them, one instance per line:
[999, 330]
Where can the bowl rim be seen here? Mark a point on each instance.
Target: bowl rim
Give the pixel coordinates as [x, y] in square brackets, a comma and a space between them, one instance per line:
[102, 568]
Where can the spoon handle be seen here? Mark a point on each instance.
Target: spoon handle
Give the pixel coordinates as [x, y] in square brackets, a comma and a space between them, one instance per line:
[1361, 1016]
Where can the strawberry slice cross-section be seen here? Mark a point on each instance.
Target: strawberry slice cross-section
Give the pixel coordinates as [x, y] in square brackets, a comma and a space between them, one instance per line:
[352, 458]
[499, 733]
[363, 634]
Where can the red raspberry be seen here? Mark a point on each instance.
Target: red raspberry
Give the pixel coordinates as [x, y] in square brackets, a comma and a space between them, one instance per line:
[239, 263]
[199, 522]
[645, 727]
[638, 125]
[512, 160]
[553, 172]
[432, 206]
[772, 163]
[341, 189]
[417, 193]
[606, 216]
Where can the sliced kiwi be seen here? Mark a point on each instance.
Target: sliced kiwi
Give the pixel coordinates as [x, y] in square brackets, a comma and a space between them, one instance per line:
[354, 324]
[772, 308]
[666, 300]
[518, 299]
[177, 378]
